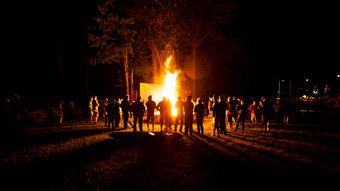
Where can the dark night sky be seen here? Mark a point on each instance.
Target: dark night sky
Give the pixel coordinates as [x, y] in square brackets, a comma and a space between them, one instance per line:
[277, 39]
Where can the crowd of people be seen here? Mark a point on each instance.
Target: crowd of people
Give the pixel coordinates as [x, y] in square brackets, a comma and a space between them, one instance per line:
[221, 110]
[115, 109]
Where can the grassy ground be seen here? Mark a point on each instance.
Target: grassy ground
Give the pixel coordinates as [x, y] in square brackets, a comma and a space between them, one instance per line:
[81, 156]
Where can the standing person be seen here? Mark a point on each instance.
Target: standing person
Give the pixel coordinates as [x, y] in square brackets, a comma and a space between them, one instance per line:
[162, 107]
[110, 114]
[61, 110]
[105, 104]
[125, 105]
[138, 110]
[91, 109]
[179, 116]
[242, 114]
[199, 111]
[230, 113]
[234, 104]
[277, 109]
[286, 110]
[188, 110]
[72, 110]
[216, 119]
[221, 112]
[326, 91]
[252, 109]
[116, 112]
[168, 115]
[267, 114]
[315, 91]
[150, 107]
[95, 104]
[259, 112]
[210, 106]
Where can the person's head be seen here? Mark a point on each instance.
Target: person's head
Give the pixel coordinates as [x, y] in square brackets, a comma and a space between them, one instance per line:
[254, 102]
[138, 98]
[189, 98]
[222, 97]
[95, 97]
[200, 101]
[150, 98]
[164, 98]
[215, 98]
[91, 99]
[126, 97]
[179, 99]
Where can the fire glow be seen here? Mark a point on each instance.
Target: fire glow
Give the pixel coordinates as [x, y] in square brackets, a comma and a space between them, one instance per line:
[170, 86]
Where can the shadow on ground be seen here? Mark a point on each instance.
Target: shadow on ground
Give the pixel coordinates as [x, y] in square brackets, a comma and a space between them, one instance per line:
[158, 161]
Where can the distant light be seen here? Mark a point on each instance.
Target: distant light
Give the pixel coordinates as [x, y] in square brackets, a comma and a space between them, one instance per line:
[307, 80]
[338, 76]
[282, 80]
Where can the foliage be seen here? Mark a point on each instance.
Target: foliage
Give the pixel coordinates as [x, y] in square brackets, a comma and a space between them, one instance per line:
[152, 27]
[112, 36]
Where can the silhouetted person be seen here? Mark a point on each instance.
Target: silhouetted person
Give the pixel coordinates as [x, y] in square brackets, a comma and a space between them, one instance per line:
[95, 104]
[287, 110]
[162, 107]
[315, 91]
[210, 106]
[215, 118]
[91, 109]
[72, 111]
[277, 109]
[150, 107]
[138, 110]
[267, 111]
[168, 115]
[221, 114]
[326, 91]
[199, 111]
[179, 116]
[125, 105]
[110, 114]
[252, 109]
[242, 115]
[230, 113]
[188, 110]
[105, 104]
[116, 112]
[61, 110]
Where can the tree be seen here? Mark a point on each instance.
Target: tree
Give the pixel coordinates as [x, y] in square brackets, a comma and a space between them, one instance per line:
[161, 31]
[112, 38]
[200, 19]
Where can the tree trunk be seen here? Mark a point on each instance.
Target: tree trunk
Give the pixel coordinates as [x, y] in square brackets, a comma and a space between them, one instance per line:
[132, 87]
[126, 66]
[154, 66]
[194, 71]
[160, 63]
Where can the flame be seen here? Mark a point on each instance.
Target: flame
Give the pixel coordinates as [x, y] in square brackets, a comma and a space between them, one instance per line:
[170, 86]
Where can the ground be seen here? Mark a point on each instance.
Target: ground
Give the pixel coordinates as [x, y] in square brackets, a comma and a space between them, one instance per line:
[82, 156]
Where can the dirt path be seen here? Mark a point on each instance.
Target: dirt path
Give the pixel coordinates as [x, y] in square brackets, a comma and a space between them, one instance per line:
[85, 157]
